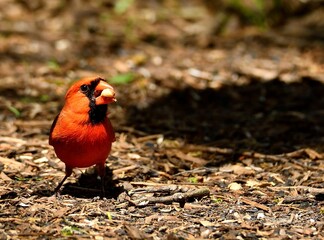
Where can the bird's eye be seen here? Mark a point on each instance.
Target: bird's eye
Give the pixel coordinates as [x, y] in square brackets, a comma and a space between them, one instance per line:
[84, 88]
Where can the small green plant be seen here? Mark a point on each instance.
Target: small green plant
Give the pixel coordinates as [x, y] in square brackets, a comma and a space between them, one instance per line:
[322, 211]
[109, 215]
[193, 180]
[44, 98]
[217, 200]
[277, 200]
[53, 64]
[69, 230]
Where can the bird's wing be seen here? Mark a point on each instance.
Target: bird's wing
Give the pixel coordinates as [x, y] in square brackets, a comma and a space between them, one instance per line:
[111, 131]
[52, 128]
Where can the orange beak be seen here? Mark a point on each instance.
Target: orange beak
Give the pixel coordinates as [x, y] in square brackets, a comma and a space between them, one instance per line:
[104, 93]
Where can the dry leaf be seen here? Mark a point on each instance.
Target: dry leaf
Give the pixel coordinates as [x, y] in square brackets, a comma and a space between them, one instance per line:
[313, 154]
[237, 169]
[133, 156]
[4, 177]
[12, 164]
[252, 183]
[235, 186]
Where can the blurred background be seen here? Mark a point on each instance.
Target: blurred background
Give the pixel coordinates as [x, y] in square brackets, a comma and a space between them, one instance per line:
[207, 72]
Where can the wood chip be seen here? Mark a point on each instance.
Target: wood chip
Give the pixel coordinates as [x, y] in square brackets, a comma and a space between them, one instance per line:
[134, 233]
[254, 204]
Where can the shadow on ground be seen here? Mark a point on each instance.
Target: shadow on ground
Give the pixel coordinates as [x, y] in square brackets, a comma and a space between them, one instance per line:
[269, 117]
[89, 186]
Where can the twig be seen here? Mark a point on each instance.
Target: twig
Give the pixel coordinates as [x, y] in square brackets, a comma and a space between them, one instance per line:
[12, 140]
[181, 198]
[167, 184]
[164, 189]
[308, 189]
[296, 199]
[34, 123]
[209, 149]
[149, 137]
[283, 157]
[149, 184]
[124, 169]
[132, 130]
[202, 171]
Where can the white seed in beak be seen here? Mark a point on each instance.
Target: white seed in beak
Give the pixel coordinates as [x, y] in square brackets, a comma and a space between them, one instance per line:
[107, 93]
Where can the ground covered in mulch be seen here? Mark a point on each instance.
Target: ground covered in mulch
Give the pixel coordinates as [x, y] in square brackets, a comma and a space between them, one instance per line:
[223, 140]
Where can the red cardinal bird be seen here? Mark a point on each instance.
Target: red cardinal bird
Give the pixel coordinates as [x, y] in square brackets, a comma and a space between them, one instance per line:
[81, 134]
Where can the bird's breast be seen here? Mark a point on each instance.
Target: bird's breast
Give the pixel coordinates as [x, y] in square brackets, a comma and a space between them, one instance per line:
[82, 145]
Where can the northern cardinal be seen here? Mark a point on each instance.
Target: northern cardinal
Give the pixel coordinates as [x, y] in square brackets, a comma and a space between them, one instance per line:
[82, 134]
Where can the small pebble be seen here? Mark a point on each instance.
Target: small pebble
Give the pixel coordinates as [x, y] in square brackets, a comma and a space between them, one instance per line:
[260, 215]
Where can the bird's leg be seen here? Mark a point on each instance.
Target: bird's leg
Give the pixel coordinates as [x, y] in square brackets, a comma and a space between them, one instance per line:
[68, 172]
[101, 169]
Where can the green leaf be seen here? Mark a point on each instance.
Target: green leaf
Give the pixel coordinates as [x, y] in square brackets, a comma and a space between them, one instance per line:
[44, 98]
[14, 110]
[122, 78]
[121, 6]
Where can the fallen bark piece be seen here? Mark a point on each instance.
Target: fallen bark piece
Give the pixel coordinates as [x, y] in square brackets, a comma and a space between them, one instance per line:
[255, 204]
[179, 197]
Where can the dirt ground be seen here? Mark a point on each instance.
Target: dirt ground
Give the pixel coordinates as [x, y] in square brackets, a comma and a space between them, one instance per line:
[223, 140]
